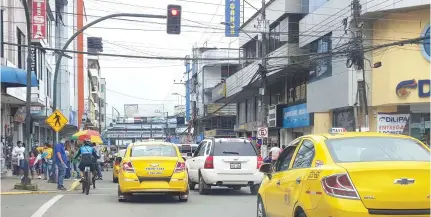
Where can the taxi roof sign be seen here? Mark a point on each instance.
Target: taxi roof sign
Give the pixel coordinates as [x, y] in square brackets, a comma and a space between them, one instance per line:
[57, 120]
[338, 130]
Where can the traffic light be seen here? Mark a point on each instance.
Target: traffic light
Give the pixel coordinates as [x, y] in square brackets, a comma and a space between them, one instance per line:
[174, 19]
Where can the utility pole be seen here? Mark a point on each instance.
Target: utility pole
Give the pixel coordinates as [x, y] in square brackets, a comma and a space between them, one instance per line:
[262, 70]
[357, 57]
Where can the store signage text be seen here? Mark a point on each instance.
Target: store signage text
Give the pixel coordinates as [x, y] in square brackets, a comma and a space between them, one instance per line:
[392, 123]
[39, 19]
[33, 63]
[296, 116]
[402, 89]
[232, 18]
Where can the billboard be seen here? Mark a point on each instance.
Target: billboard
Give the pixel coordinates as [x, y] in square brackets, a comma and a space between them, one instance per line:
[232, 18]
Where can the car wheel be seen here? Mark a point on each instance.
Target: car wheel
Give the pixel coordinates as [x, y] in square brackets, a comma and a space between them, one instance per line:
[122, 197]
[301, 214]
[236, 188]
[254, 189]
[260, 208]
[202, 186]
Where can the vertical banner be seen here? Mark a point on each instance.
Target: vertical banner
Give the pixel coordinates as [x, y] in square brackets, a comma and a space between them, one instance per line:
[392, 123]
[33, 59]
[38, 24]
[232, 18]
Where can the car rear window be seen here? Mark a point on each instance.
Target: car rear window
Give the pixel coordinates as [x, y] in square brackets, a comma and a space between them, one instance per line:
[185, 148]
[153, 150]
[368, 149]
[234, 149]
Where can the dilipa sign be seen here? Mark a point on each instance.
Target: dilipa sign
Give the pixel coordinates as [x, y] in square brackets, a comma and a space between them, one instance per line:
[392, 123]
[232, 18]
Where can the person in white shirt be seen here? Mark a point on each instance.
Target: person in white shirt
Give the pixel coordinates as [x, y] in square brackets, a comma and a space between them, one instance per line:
[18, 152]
[274, 153]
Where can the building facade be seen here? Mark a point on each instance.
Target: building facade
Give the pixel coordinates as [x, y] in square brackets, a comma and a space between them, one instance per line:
[401, 86]
[207, 77]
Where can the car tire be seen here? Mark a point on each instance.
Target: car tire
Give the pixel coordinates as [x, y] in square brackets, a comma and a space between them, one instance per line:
[260, 210]
[301, 214]
[254, 189]
[236, 188]
[202, 186]
[122, 197]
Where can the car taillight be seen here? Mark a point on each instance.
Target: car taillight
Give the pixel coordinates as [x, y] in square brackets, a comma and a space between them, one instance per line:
[181, 166]
[259, 162]
[128, 167]
[339, 185]
[209, 163]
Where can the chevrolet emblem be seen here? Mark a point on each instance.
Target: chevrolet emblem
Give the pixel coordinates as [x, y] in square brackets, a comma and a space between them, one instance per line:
[404, 181]
[154, 165]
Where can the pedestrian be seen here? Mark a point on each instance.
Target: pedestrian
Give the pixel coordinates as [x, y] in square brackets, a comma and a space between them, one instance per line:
[100, 161]
[60, 160]
[75, 163]
[18, 152]
[46, 151]
[31, 161]
[275, 152]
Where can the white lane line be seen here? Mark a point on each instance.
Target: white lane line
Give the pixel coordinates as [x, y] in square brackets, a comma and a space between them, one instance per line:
[45, 207]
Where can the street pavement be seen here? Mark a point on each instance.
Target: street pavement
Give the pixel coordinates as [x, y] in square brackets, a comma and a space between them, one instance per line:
[102, 201]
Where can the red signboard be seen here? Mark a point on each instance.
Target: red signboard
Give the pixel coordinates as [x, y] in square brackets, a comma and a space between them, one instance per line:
[38, 24]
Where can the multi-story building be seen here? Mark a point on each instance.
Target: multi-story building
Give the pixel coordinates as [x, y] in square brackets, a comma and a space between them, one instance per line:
[14, 65]
[206, 77]
[312, 96]
[102, 100]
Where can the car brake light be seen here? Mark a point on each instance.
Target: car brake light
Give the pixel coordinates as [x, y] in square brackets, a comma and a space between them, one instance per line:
[128, 167]
[259, 162]
[181, 166]
[339, 185]
[209, 163]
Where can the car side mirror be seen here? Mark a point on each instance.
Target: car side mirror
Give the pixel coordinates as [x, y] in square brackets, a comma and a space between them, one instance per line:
[266, 168]
[189, 154]
[118, 159]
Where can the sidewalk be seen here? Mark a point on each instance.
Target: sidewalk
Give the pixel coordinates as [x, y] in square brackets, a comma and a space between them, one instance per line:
[8, 182]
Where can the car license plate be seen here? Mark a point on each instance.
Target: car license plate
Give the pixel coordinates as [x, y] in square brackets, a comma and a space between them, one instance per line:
[235, 165]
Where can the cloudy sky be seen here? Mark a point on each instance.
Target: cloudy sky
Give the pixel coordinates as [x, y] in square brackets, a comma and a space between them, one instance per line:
[149, 82]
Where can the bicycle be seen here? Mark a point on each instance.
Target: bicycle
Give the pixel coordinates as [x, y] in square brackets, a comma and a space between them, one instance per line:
[88, 175]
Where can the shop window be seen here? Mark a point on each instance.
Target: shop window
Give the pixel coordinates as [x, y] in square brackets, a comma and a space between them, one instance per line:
[344, 119]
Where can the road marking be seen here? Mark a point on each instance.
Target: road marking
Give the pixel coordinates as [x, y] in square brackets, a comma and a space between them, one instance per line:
[45, 207]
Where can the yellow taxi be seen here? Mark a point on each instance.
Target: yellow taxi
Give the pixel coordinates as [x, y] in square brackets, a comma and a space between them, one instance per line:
[116, 167]
[152, 167]
[348, 175]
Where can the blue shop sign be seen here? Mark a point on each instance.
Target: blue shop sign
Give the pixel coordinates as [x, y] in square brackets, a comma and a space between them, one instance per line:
[296, 116]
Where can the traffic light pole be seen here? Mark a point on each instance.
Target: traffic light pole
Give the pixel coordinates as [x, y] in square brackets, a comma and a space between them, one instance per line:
[62, 51]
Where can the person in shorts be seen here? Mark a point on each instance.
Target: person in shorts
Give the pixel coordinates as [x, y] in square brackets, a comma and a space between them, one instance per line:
[31, 161]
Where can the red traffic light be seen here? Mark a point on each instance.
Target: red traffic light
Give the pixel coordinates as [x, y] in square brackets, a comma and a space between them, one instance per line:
[174, 12]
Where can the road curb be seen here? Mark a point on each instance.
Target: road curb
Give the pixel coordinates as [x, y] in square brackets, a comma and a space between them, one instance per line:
[26, 192]
[74, 185]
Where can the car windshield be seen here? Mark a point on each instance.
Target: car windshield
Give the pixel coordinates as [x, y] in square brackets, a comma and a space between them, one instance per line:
[153, 150]
[368, 149]
[234, 148]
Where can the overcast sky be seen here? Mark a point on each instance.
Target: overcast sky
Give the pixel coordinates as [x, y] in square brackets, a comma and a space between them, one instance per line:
[132, 81]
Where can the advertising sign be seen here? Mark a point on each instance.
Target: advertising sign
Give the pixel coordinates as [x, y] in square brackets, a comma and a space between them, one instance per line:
[296, 116]
[39, 23]
[33, 59]
[392, 123]
[232, 18]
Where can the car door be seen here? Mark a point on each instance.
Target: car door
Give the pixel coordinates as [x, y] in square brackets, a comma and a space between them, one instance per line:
[275, 194]
[193, 163]
[292, 182]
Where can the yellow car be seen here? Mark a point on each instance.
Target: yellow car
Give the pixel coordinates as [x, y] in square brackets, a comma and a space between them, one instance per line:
[153, 167]
[348, 175]
[116, 167]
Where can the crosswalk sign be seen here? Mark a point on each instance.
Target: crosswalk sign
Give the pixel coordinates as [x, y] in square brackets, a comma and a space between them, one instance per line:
[57, 120]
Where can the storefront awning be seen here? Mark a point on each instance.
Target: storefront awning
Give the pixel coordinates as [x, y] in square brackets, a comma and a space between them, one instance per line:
[15, 77]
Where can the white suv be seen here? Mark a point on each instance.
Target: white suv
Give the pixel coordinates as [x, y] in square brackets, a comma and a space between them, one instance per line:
[229, 162]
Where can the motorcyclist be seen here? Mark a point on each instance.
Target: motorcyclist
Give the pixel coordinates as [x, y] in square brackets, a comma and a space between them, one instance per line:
[88, 155]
